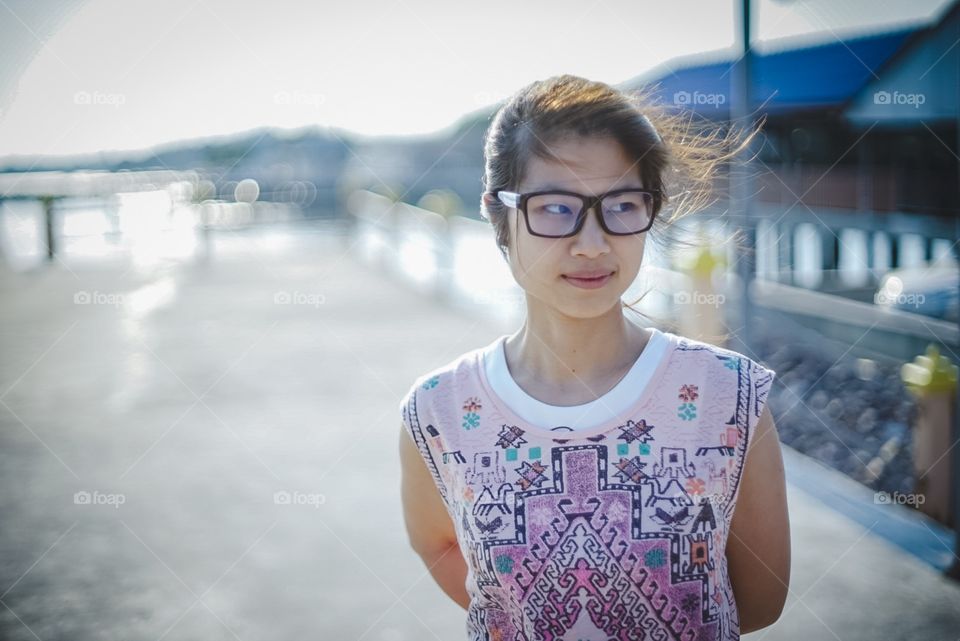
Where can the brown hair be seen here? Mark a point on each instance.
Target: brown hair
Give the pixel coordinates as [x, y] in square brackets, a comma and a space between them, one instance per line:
[679, 158]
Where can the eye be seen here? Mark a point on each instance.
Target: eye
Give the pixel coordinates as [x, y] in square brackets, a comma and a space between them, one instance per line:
[557, 208]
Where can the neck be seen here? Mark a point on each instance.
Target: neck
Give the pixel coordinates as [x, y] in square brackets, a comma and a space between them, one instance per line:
[574, 358]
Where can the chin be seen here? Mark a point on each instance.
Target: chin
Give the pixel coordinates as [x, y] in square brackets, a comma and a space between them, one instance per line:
[584, 309]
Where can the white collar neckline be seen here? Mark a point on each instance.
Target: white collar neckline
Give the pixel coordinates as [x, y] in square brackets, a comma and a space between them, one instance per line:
[577, 417]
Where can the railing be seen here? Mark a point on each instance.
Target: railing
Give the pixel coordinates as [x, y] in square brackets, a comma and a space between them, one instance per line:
[160, 202]
[456, 259]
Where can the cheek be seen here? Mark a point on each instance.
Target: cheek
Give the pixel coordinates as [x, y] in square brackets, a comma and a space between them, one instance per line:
[630, 254]
[538, 263]
[534, 261]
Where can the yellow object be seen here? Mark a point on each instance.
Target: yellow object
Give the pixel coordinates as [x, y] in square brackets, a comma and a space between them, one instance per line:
[930, 373]
[705, 262]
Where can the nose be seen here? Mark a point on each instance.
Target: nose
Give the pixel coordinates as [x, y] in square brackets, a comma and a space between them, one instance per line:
[591, 240]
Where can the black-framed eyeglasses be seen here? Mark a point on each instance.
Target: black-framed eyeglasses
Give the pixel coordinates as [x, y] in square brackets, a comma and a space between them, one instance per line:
[561, 214]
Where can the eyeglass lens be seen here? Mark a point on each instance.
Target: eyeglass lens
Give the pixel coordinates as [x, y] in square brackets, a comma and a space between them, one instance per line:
[556, 214]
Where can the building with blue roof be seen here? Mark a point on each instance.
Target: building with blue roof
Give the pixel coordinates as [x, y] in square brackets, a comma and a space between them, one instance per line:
[864, 123]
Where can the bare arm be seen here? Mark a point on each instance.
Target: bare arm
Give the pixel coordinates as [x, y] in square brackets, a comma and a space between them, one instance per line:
[758, 549]
[429, 528]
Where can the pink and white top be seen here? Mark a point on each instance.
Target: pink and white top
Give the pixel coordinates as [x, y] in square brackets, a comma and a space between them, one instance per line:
[607, 520]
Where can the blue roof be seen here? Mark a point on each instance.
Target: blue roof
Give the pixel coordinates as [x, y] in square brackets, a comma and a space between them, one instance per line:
[814, 77]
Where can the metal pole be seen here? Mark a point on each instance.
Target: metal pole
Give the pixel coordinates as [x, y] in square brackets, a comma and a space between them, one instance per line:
[954, 571]
[740, 187]
[48, 220]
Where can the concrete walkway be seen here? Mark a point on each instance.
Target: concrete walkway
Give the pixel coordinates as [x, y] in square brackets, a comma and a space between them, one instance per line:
[208, 451]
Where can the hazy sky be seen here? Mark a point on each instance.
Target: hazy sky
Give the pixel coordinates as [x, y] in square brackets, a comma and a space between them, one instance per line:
[121, 74]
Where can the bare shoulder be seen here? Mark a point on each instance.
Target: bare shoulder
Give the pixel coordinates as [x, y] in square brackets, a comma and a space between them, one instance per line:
[763, 483]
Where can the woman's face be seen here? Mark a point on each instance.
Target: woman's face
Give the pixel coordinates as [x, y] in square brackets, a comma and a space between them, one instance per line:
[588, 166]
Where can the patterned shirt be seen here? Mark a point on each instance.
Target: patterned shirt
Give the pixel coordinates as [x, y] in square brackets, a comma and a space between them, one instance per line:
[617, 531]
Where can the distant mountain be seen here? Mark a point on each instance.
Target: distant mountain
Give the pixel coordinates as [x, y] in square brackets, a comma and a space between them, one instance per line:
[326, 163]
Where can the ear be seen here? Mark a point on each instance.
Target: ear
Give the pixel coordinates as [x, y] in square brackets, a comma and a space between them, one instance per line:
[488, 198]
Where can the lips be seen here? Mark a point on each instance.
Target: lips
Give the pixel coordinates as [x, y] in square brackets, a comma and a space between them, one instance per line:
[589, 275]
[598, 279]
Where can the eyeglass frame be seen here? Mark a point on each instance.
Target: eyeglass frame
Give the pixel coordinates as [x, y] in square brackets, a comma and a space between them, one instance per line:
[519, 202]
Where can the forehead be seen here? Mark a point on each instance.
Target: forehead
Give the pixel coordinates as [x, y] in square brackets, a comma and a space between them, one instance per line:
[582, 164]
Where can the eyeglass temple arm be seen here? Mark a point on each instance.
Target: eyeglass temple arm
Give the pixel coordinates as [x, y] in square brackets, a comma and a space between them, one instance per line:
[508, 198]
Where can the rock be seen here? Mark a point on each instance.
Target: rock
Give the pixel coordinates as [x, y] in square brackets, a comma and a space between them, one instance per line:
[894, 429]
[874, 469]
[834, 408]
[857, 416]
[867, 420]
[890, 449]
[866, 369]
[818, 400]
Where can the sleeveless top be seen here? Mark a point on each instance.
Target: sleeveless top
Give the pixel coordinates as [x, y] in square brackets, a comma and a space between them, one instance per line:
[615, 531]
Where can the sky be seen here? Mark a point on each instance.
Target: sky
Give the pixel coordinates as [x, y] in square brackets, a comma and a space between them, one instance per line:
[83, 76]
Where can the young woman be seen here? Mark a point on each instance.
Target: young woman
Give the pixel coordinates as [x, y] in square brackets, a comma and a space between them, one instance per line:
[585, 477]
